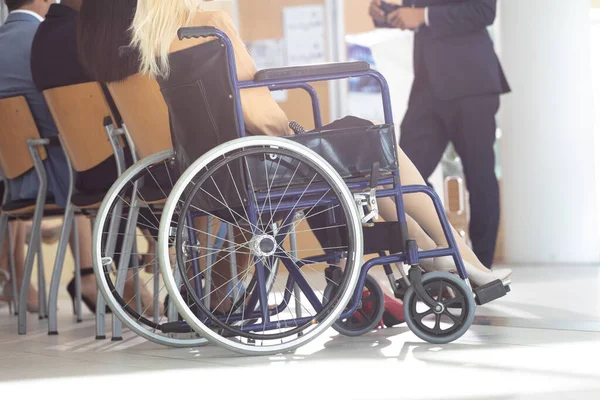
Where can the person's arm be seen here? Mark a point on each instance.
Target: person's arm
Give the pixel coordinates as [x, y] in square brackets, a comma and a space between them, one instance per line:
[457, 19]
[262, 114]
[243, 60]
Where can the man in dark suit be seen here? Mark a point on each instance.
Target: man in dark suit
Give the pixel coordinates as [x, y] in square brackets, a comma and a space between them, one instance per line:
[455, 96]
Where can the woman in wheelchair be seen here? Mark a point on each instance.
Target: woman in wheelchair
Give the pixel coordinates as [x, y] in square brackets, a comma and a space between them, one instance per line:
[175, 62]
[154, 30]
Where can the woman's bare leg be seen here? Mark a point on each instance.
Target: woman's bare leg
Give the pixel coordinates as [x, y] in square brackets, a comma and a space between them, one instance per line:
[424, 221]
[84, 230]
[19, 230]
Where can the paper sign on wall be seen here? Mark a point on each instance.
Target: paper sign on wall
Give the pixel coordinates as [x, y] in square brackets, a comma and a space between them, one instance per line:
[269, 54]
[304, 32]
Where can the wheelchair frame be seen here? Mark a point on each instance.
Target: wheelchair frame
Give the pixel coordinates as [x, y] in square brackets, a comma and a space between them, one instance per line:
[299, 78]
[291, 78]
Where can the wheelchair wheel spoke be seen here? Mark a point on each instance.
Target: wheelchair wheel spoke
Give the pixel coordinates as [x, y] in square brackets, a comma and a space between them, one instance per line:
[452, 317]
[369, 298]
[422, 315]
[455, 300]
[363, 313]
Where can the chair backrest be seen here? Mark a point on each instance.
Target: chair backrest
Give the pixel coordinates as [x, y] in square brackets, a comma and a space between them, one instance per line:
[16, 127]
[144, 112]
[79, 112]
[200, 98]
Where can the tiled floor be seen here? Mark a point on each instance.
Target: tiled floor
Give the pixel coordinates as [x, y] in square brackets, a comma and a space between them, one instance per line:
[541, 341]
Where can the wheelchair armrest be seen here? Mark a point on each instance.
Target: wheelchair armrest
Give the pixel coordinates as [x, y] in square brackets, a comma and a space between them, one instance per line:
[312, 71]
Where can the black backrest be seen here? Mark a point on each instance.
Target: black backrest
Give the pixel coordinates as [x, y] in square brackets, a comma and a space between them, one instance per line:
[200, 99]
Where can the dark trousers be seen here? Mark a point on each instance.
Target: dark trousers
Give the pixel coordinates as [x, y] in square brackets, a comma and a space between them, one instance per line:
[470, 125]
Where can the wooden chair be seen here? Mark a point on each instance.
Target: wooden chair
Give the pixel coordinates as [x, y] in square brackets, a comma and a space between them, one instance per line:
[21, 150]
[146, 123]
[144, 114]
[88, 134]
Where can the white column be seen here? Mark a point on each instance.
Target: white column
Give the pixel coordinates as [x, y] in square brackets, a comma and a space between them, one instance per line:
[3, 12]
[550, 211]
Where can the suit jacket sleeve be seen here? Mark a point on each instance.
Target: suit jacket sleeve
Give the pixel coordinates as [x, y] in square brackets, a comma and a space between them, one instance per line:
[460, 18]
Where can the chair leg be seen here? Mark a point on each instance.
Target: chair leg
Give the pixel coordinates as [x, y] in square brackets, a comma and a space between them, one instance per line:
[124, 261]
[294, 249]
[29, 259]
[233, 265]
[43, 313]
[4, 231]
[100, 304]
[156, 293]
[111, 242]
[209, 263]
[100, 317]
[77, 257]
[136, 278]
[172, 311]
[57, 271]
[11, 261]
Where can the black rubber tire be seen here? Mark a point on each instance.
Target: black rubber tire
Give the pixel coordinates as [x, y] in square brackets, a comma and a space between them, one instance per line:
[465, 320]
[373, 317]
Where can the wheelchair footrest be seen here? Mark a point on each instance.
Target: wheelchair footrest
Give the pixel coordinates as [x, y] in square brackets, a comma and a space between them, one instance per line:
[175, 327]
[490, 292]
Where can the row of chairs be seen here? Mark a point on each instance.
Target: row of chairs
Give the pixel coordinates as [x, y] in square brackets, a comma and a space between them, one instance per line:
[88, 135]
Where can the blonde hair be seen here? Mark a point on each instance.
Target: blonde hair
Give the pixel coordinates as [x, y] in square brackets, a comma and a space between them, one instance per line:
[154, 27]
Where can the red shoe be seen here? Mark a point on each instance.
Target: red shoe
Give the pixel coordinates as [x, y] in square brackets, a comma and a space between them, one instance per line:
[367, 308]
[394, 312]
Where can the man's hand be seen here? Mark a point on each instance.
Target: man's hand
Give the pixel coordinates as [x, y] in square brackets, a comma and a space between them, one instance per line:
[376, 12]
[407, 18]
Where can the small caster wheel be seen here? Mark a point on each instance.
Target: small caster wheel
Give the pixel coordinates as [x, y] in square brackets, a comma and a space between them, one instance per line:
[368, 314]
[452, 317]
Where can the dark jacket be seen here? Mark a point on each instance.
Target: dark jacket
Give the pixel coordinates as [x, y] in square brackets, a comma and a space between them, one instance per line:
[54, 54]
[455, 52]
[54, 59]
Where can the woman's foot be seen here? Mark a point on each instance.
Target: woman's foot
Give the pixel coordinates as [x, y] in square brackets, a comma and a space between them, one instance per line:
[147, 297]
[49, 234]
[477, 276]
[394, 311]
[147, 262]
[6, 295]
[221, 305]
[89, 291]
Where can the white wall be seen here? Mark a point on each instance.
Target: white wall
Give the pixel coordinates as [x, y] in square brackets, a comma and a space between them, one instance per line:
[550, 210]
[3, 12]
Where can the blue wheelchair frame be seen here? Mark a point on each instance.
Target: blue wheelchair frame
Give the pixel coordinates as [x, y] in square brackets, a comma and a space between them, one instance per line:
[410, 256]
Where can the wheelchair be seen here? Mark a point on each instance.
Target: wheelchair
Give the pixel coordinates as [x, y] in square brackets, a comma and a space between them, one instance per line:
[236, 234]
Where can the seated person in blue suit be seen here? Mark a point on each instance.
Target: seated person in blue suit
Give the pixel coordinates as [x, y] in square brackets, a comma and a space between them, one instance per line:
[16, 79]
[16, 36]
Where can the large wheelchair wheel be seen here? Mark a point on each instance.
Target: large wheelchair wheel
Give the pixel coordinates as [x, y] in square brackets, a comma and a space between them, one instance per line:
[126, 271]
[267, 190]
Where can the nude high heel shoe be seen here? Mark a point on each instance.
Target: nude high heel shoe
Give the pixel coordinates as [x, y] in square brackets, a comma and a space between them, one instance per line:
[5, 295]
[476, 276]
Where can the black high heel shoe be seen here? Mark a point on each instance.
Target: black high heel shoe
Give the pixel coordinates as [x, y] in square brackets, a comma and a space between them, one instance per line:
[90, 303]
